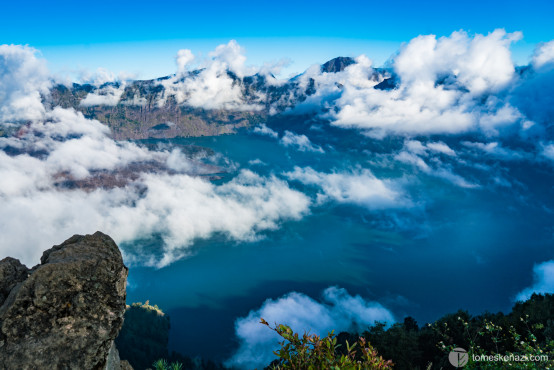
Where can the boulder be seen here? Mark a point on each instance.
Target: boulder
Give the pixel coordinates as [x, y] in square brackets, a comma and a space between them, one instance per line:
[66, 312]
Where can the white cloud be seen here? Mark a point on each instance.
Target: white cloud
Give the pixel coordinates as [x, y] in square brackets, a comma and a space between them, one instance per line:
[337, 311]
[211, 87]
[533, 95]
[414, 151]
[481, 63]
[99, 77]
[544, 55]
[359, 187]
[232, 56]
[469, 70]
[183, 208]
[23, 79]
[328, 86]
[300, 142]
[548, 151]
[496, 150]
[108, 88]
[76, 145]
[264, 130]
[419, 148]
[543, 281]
[108, 95]
[441, 147]
[180, 208]
[184, 58]
[62, 146]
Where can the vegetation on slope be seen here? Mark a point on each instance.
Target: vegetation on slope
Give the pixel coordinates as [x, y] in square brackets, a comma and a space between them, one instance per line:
[528, 330]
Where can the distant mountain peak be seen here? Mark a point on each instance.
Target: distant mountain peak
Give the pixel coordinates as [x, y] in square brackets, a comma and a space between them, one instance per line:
[337, 64]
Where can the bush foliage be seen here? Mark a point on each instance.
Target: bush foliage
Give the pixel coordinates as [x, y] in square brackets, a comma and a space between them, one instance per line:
[527, 330]
[315, 352]
[162, 364]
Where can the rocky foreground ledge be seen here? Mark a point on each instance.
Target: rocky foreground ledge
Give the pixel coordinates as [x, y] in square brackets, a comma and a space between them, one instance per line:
[65, 312]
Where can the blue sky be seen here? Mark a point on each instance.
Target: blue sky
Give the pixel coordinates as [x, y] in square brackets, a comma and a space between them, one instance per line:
[143, 37]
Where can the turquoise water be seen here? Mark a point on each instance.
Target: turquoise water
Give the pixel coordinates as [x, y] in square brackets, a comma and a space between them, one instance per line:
[461, 248]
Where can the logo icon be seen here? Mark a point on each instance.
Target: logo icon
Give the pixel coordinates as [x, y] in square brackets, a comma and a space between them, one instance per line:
[458, 357]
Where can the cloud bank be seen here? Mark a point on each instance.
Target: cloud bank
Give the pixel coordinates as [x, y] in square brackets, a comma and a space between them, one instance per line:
[179, 207]
[447, 86]
[62, 174]
[455, 85]
[337, 310]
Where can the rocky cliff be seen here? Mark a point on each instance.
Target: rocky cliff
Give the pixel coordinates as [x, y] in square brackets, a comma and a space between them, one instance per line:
[65, 312]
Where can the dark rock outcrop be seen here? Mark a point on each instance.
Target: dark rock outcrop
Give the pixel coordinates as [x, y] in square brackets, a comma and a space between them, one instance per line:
[66, 312]
[338, 64]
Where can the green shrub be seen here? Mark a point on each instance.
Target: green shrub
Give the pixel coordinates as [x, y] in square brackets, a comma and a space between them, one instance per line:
[315, 352]
[494, 346]
[162, 364]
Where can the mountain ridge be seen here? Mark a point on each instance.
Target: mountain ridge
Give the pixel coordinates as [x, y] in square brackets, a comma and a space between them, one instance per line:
[143, 109]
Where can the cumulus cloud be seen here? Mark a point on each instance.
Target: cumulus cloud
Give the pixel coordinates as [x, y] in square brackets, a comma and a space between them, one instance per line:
[358, 187]
[479, 64]
[300, 142]
[184, 58]
[232, 56]
[543, 281]
[24, 79]
[264, 130]
[422, 149]
[447, 86]
[337, 310]
[289, 139]
[544, 55]
[216, 85]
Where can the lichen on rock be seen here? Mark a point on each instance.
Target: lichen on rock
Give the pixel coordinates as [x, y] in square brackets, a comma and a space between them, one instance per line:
[65, 312]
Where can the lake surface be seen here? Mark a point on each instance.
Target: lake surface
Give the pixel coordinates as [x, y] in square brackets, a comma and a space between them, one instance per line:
[456, 247]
